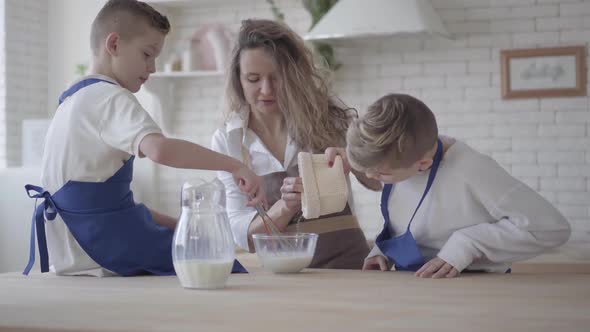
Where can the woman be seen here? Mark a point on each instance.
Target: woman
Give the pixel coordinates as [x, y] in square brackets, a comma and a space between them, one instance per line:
[279, 105]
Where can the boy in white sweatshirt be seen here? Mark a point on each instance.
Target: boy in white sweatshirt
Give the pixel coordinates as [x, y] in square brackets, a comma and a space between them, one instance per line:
[473, 214]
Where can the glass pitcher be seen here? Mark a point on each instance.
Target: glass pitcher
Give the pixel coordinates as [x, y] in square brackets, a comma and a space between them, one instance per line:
[203, 247]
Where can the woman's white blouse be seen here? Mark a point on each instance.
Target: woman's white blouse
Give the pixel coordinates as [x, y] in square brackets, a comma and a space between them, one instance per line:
[229, 140]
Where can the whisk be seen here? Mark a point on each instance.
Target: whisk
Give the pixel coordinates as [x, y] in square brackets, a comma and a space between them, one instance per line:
[270, 227]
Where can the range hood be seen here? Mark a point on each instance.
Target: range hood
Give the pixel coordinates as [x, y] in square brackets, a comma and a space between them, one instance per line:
[372, 18]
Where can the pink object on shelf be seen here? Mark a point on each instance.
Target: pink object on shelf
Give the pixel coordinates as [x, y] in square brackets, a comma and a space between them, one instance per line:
[211, 47]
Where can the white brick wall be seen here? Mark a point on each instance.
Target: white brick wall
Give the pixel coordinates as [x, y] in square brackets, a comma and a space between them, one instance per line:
[24, 72]
[543, 142]
[2, 85]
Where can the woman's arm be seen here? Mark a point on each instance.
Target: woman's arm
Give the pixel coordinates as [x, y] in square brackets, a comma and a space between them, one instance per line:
[240, 216]
[246, 221]
[280, 214]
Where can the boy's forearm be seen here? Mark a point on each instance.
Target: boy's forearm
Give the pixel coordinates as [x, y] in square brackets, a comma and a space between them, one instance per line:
[183, 154]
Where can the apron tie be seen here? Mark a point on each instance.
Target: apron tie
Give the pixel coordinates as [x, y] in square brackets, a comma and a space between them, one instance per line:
[47, 209]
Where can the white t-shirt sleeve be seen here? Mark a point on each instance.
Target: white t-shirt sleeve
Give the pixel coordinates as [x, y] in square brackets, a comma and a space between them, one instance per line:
[240, 215]
[125, 123]
[526, 224]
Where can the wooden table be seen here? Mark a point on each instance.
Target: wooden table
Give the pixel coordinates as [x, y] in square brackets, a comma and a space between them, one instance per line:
[315, 300]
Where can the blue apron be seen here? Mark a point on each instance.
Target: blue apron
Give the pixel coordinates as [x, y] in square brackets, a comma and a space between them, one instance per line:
[403, 250]
[116, 233]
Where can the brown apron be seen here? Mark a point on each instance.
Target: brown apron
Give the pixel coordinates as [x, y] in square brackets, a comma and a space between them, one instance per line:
[341, 242]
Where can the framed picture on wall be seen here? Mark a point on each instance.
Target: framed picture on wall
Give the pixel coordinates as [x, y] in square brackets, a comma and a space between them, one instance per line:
[543, 72]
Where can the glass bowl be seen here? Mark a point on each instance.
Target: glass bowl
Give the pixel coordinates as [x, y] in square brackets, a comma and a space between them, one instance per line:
[285, 253]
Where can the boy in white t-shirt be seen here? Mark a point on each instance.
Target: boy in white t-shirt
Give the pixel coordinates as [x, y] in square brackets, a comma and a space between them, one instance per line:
[93, 225]
[447, 208]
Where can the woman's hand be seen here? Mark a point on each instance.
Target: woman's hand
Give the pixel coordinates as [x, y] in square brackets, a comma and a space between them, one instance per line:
[291, 193]
[331, 154]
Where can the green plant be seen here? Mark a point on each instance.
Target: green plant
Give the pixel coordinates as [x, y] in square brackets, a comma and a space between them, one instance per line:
[317, 9]
[279, 16]
[81, 69]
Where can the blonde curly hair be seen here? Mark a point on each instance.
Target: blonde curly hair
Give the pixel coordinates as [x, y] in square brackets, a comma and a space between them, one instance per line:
[315, 120]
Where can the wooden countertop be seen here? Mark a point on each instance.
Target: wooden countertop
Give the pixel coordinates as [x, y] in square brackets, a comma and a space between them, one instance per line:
[554, 262]
[315, 300]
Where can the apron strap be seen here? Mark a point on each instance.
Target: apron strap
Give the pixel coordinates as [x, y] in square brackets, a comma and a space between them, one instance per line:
[387, 189]
[385, 199]
[79, 85]
[49, 209]
[431, 176]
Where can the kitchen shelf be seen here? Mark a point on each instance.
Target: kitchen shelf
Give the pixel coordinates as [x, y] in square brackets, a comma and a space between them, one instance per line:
[158, 95]
[202, 73]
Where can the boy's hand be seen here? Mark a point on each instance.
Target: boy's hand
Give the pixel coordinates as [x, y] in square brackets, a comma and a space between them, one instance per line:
[250, 184]
[376, 263]
[437, 268]
[331, 154]
[291, 193]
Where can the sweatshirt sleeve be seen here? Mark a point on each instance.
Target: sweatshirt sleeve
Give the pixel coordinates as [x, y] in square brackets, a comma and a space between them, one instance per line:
[525, 224]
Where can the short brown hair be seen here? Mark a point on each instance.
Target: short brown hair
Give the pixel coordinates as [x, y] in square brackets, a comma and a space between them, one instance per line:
[122, 16]
[396, 131]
